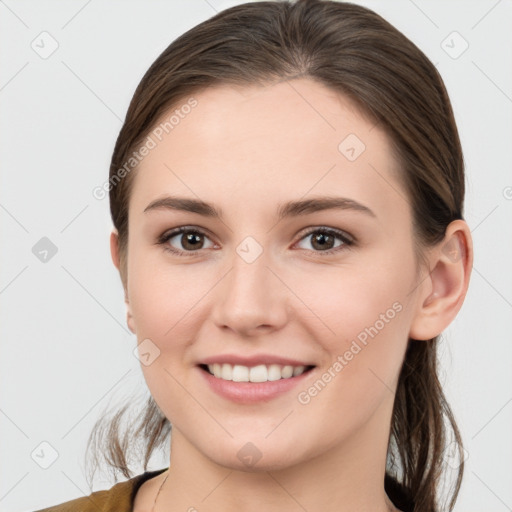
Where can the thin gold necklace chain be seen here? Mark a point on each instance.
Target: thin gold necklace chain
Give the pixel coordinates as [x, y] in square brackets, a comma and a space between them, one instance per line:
[154, 504]
[392, 508]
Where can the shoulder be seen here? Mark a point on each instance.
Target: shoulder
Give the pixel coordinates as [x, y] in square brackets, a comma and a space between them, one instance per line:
[118, 498]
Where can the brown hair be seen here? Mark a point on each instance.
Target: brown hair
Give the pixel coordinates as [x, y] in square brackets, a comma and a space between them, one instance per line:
[354, 51]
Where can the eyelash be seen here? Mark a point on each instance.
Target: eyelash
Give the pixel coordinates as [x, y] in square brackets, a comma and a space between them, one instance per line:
[346, 239]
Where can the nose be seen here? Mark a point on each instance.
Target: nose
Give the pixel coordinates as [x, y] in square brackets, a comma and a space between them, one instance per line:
[251, 299]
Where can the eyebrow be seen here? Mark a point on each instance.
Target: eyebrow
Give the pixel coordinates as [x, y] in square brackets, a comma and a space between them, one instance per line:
[288, 209]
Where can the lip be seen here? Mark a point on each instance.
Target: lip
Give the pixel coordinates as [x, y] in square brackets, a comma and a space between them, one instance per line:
[254, 360]
[252, 392]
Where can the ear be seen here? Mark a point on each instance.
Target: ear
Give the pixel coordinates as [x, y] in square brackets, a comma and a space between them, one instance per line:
[114, 252]
[114, 248]
[443, 291]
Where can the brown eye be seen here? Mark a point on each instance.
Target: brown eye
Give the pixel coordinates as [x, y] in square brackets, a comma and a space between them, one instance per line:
[184, 240]
[323, 240]
[187, 241]
[191, 241]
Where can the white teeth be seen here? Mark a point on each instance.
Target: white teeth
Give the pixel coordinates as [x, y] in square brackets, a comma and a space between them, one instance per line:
[226, 372]
[260, 373]
[274, 372]
[240, 373]
[217, 369]
[287, 372]
[298, 370]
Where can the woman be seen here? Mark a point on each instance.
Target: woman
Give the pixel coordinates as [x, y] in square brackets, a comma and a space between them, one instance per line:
[287, 195]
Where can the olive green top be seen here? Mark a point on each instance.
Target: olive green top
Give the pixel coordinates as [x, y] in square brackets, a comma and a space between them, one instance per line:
[118, 498]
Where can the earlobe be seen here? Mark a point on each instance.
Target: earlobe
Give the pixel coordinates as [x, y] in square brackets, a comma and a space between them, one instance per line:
[443, 292]
[129, 318]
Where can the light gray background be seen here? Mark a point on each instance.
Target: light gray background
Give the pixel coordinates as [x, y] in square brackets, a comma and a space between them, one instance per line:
[66, 352]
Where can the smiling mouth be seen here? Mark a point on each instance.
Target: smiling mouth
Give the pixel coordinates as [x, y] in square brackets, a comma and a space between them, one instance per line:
[259, 373]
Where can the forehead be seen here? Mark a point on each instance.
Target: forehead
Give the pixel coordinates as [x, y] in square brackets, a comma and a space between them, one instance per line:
[260, 145]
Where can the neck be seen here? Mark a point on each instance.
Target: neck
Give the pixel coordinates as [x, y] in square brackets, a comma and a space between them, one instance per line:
[344, 478]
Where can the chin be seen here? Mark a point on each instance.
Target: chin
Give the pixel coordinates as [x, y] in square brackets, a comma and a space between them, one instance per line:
[250, 457]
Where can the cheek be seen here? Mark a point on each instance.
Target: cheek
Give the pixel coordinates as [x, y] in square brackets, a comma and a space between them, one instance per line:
[164, 304]
[164, 297]
[348, 302]
[362, 324]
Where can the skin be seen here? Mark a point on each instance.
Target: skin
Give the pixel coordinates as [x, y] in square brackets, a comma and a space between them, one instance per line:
[247, 150]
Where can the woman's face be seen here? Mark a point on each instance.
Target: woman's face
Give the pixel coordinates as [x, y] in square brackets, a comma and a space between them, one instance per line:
[261, 287]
